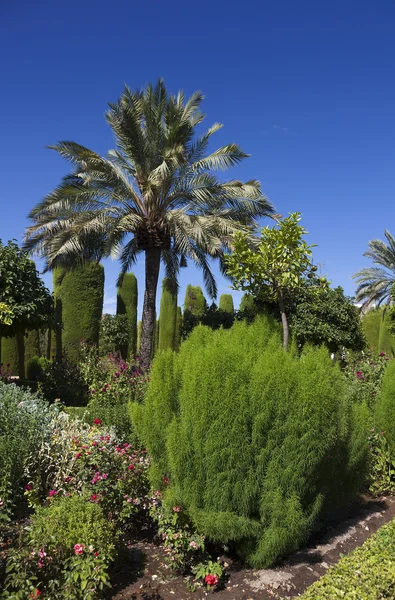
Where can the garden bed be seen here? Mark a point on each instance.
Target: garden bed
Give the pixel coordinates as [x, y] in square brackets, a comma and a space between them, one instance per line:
[141, 572]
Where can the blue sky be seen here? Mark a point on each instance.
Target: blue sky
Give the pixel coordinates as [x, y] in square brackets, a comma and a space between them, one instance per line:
[307, 88]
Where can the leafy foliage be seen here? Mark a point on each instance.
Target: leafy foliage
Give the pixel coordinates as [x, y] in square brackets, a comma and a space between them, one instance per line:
[22, 291]
[367, 573]
[63, 380]
[256, 443]
[194, 302]
[371, 323]
[64, 553]
[114, 334]
[226, 303]
[325, 316]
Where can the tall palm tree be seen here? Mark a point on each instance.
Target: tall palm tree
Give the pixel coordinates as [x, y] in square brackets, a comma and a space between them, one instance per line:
[374, 284]
[156, 193]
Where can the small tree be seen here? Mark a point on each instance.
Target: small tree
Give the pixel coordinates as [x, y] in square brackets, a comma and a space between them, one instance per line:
[281, 263]
[25, 295]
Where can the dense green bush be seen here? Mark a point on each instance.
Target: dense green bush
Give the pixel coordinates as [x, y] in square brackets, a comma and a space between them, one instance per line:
[65, 552]
[226, 303]
[36, 367]
[386, 338]
[168, 316]
[257, 443]
[10, 353]
[194, 302]
[32, 346]
[384, 411]
[79, 303]
[127, 297]
[114, 334]
[63, 380]
[25, 421]
[367, 573]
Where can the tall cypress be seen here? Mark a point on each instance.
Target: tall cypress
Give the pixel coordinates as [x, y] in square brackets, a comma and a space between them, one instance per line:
[226, 303]
[32, 345]
[127, 299]
[195, 302]
[168, 315]
[178, 335]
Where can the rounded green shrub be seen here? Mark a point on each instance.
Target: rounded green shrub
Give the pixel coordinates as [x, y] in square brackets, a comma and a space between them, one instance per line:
[257, 443]
[78, 294]
[168, 316]
[127, 298]
[226, 303]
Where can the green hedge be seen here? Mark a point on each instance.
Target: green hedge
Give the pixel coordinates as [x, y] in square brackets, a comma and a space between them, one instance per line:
[79, 301]
[367, 573]
[371, 322]
[127, 298]
[32, 345]
[257, 443]
[9, 353]
[168, 316]
[226, 303]
[386, 339]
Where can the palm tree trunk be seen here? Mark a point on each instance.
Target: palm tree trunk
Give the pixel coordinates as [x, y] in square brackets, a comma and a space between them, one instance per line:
[284, 319]
[152, 265]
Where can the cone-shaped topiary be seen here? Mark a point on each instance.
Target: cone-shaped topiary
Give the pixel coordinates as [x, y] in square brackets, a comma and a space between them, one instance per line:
[139, 329]
[178, 335]
[127, 298]
[226, 303]
[247, 302]
[78, 296]
[195, 302]
[256, 442]
[168, 315]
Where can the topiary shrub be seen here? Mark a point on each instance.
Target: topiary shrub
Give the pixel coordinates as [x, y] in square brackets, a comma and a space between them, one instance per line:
[168, 316]
[10, 353]
[127, 298]
[79, 303]
[194, 302]
[226, 303]
[371, 322]
[178, 334]
[257, 443]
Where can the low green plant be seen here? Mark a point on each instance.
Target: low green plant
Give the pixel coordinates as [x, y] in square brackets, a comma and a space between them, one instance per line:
[367, 573]
[364, 373]
[382, 464]
[65, 552]
[36, 368]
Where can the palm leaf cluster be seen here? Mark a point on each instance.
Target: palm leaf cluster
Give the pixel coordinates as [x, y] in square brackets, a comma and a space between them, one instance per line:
[374, 284]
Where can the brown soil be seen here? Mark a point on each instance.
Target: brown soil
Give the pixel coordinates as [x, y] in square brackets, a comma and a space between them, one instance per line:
[141, 572]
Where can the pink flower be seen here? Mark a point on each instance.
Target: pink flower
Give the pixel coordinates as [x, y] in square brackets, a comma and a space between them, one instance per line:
[40, 564]
[28, 487]
[98, 422]
[359, 374]
[78, 548]
[131, 467]
[177, 509]
[52, 493]
[94, 443]
[211, 579]
[42, 554]
[78, 454]
[165, 481]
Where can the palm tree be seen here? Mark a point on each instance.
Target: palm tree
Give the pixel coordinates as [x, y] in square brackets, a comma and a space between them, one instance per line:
[156, 193]
[375, 283]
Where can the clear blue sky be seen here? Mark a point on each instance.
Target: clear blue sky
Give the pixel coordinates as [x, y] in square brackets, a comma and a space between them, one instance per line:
[307, 88]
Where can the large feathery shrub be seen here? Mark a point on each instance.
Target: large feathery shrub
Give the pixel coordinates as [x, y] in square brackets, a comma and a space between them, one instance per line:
[257, 443]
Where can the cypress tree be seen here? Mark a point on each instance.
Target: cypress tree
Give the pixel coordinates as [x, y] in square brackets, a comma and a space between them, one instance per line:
[226, 303]
[155, 338]
[195, 302]
[168, 315]
[257, 443]
[10, 354]
[178, 335]
[371, 323]
[127, 300]
[79, 304]
[139, 330]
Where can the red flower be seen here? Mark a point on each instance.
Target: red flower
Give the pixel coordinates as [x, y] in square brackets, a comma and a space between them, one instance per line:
[130, 467]
[165, 481]
[52, 493]
[94, 497]
[29, 487]
[36, 593]
[78, 548]
[211, 579]
[78, 454]
[97, 422]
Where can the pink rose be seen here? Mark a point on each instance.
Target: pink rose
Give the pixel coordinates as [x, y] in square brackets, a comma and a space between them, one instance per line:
[78, 548]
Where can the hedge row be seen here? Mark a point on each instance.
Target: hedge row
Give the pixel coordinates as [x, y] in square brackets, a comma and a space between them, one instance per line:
[367, 573]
